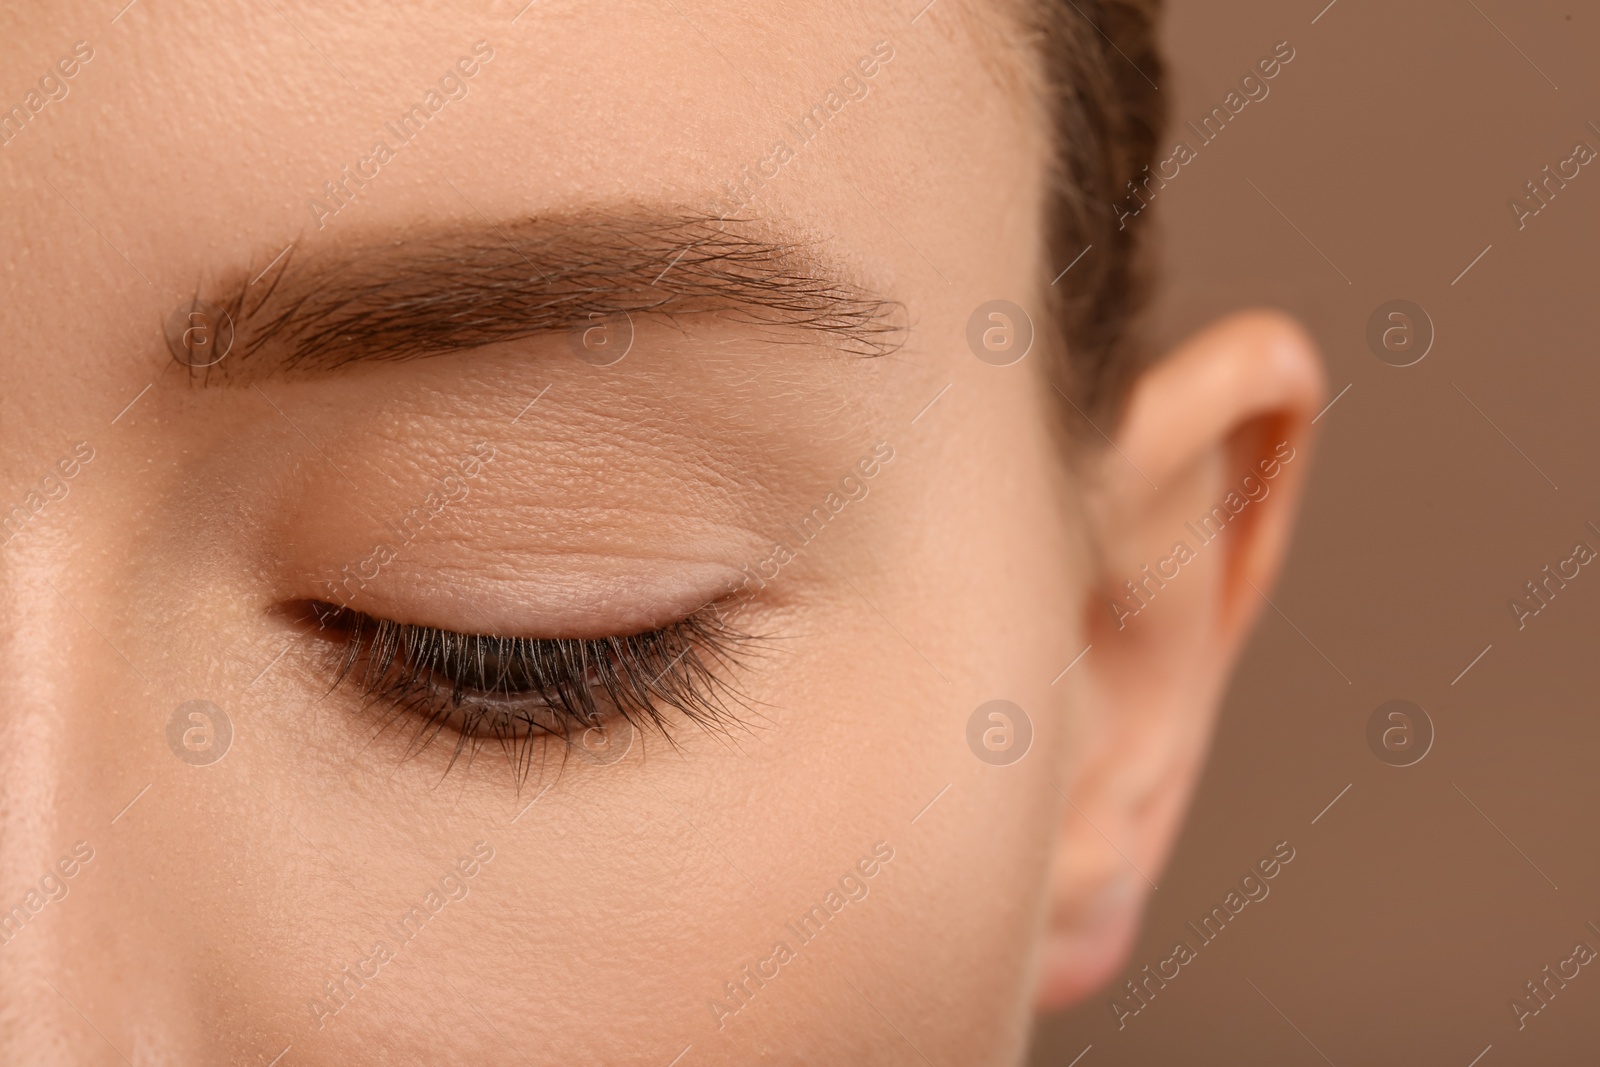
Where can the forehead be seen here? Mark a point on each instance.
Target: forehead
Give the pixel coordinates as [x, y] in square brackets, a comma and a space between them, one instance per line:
[201, 139]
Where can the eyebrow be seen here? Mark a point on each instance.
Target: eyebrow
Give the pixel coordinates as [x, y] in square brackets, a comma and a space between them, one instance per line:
[447, 290]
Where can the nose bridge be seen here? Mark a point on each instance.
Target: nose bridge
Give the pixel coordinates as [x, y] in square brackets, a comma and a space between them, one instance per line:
[41, 813]
[65, 914]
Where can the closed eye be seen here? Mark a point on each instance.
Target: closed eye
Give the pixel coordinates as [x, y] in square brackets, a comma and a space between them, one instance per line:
[522, 692]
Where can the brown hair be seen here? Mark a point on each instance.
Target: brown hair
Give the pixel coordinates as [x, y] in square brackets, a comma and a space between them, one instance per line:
[1101, 65]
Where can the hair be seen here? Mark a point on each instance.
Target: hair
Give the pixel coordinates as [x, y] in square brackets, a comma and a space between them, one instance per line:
[1101, 65]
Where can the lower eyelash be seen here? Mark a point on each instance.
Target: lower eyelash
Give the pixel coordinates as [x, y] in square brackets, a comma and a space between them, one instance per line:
[521, 691]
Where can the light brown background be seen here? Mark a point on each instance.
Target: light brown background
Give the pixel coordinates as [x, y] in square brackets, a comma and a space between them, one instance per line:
[1407, 921]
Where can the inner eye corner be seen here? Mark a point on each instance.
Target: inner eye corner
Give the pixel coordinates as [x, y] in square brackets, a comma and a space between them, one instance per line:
[315, 616]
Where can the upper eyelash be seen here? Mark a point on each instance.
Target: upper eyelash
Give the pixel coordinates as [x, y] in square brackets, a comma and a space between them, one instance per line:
[544, 687]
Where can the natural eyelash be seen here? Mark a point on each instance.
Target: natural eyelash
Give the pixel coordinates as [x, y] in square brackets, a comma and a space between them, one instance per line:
[519, 691]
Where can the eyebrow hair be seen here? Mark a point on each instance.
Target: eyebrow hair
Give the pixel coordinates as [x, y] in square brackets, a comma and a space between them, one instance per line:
[464, 287]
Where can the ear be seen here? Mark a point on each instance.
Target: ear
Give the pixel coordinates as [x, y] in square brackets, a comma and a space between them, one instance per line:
[1191, 513]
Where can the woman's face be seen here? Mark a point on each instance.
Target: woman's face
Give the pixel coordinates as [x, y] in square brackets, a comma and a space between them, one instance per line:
[224, 843]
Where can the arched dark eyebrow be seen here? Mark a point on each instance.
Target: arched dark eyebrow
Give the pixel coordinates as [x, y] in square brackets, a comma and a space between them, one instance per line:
[446, 290]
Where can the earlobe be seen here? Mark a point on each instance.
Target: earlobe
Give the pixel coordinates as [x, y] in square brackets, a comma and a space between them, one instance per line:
[1192, 513]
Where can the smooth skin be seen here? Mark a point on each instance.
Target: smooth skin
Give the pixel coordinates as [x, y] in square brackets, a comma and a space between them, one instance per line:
[618, 900]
